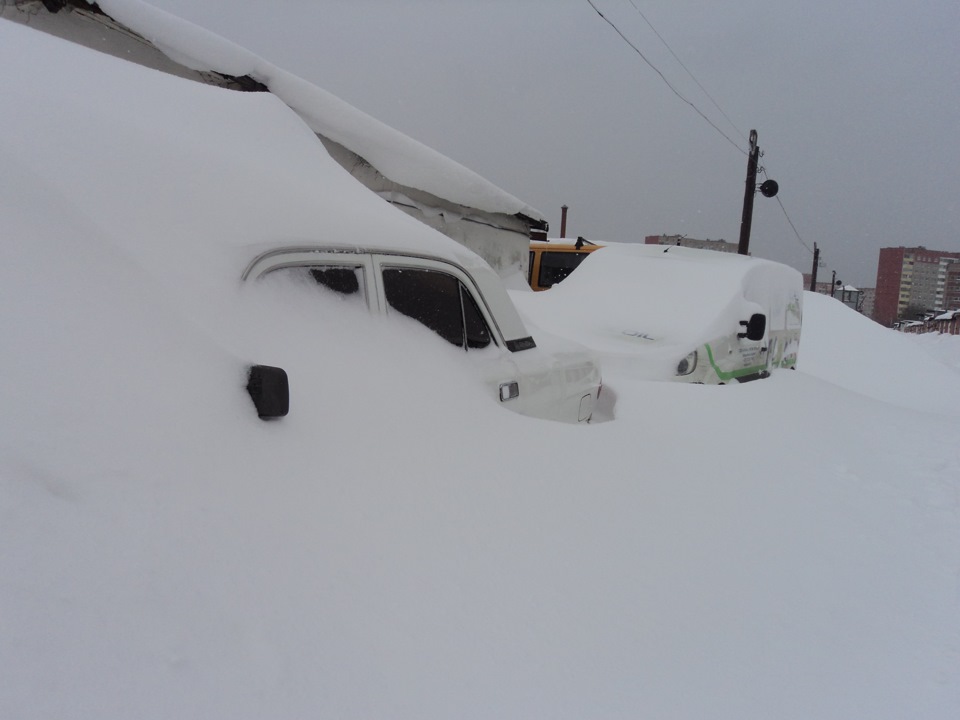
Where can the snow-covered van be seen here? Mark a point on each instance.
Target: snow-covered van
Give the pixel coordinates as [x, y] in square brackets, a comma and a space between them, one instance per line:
[677, 313]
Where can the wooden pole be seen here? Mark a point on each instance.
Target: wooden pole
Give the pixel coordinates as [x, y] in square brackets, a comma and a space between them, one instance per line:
[816, 264]
[749, 191]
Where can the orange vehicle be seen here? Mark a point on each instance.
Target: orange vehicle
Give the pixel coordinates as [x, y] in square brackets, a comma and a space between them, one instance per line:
[552, 261]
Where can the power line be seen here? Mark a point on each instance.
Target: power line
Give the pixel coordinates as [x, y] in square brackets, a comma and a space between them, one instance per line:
[780, 202]
[663, 77]
[793, 227]
[691, 104]
[692, 77]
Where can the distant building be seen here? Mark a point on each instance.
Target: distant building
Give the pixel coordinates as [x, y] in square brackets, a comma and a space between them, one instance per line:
[868, 301]
[911, 282]
[850, 296]
[860, 299]
[684, 241]
[948, 322]
[951, 287]
[824, 287]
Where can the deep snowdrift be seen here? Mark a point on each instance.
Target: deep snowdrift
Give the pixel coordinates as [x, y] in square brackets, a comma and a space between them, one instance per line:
[856, 353]
[399, 546]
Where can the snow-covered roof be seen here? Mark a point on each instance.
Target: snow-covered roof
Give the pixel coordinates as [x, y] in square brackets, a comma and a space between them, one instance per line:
[150, 160]
[395, 155]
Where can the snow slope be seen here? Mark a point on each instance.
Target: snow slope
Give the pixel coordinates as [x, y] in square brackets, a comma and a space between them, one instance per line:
[399, 546]
[900, 369]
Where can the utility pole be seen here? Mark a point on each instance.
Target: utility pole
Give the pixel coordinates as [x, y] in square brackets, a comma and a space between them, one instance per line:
[749, 191]
[816, 264]
[768, 188]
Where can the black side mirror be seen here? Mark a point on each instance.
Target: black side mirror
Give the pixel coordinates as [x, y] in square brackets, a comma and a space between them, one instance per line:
[756, 327]
[270, 391]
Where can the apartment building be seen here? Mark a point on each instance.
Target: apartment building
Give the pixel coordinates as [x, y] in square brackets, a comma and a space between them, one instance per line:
[912, 280]
[951, 287]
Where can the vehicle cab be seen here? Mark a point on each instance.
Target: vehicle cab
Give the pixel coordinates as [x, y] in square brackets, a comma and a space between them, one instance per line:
[552, 261]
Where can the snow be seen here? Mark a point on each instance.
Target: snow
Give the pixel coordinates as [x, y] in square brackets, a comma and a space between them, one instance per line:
[400, 546]
[945, 348]
[397, 156]
[915, 377]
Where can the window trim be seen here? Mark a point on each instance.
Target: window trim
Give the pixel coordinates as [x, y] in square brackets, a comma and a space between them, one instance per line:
[271, 261]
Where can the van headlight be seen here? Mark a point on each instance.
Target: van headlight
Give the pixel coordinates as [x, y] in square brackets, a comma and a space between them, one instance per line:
[688, 364]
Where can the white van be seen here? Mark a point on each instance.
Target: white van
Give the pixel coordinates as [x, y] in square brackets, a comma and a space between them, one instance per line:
[676, 313]
[458, 296]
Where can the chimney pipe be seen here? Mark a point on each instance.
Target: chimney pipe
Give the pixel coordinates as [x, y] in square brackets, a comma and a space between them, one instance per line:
[563, 221]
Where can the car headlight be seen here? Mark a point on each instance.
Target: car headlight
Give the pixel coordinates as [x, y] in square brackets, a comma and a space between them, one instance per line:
[688, 364]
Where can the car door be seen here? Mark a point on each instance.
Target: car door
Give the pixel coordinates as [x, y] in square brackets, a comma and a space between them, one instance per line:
[445, 299]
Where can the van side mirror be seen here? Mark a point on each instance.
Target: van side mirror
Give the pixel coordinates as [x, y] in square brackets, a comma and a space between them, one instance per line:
[270, 391]
[756, 327]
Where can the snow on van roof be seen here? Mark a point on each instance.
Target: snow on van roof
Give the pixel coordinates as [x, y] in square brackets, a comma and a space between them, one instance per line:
[568, 242]
[397, 156]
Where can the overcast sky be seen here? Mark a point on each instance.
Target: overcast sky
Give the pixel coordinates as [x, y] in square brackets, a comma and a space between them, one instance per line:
[857, 107]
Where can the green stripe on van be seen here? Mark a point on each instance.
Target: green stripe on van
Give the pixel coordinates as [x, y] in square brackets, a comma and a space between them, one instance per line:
[733, 374]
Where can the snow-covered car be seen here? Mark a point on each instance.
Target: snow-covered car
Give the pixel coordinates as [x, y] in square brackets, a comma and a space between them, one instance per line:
[677, 313]
[460, 298]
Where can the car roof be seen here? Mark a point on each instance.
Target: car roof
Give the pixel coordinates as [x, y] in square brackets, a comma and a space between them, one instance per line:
[489, 284]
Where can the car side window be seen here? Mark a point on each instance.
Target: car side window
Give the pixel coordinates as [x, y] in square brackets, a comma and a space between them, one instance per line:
[345, 282]
[439, 301]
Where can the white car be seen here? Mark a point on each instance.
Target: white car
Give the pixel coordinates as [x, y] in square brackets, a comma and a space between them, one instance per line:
[461, 299]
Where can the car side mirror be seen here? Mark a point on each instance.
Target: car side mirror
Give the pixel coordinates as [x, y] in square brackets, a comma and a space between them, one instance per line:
[756, 327]
[270, 391]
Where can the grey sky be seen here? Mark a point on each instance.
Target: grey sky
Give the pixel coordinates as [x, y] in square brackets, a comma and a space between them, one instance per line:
[857, 106]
